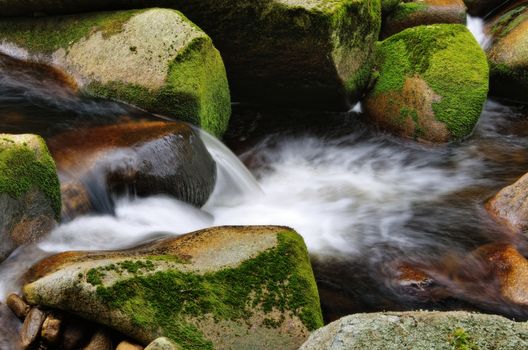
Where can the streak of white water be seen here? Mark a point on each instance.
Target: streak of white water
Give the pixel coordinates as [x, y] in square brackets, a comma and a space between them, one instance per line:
[476, 27]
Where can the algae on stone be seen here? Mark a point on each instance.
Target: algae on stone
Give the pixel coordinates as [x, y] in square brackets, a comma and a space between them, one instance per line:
[228, 287]
[432, 85]
[155, 59]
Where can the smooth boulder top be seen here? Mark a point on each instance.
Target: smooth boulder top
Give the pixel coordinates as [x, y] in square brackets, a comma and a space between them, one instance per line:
[226, 287]
[156, 59]
[508, 53]
[314, 53]
[432, 84]
[420, 330]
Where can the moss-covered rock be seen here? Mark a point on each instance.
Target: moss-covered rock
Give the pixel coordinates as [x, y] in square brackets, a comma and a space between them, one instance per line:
[156, 59]
[30, 201]
[420, 330]
[432, 84]
[423, 12]
[220, 288]
[314, 53]
[508, 54]
[141, 157]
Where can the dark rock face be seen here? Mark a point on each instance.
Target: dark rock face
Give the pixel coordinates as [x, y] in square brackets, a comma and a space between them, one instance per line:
[143, 158]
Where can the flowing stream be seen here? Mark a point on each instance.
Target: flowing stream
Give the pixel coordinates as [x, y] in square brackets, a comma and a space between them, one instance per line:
[361, 199]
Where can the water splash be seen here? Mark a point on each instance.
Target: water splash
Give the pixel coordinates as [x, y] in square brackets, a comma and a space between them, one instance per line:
[477, 28]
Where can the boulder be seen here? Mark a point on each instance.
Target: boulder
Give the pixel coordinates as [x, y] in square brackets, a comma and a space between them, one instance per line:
[155, 59]
[510, 205]
[422, 12]
[30, 201]
[222, 288]
[142, 157]
[315, 53]
[432, 83]
[420, 330]
[481, 8]
[507, 55]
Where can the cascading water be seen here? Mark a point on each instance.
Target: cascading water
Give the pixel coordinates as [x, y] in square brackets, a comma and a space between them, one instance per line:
[476, 27]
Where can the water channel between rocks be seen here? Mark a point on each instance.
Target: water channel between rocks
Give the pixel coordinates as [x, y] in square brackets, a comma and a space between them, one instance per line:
[364, 202]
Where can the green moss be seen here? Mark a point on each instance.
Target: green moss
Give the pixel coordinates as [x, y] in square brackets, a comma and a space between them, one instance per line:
[196, 89]
[22, 169]
[404, 10]
[52, 33]
[508, 21]
[449, 59]
[387, 6]
[94, 277]
[280, 278]
[461, 340]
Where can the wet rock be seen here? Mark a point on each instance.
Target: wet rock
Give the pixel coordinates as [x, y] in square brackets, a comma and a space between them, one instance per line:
[51, 329]
[423, 12]
[509, 205]
[31, 328]
[19, 307]
[412, 281]
[420, 330]
[507, 55]
[481, 8]
[100, 341]
[313, 53]
[508, 269]
[155, 59]
[124, 345]
[144, 158]
[225, 287]
[432, 85]
[163, 344]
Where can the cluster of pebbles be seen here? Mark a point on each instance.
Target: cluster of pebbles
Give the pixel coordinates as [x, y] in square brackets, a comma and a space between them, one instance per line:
[49, 330]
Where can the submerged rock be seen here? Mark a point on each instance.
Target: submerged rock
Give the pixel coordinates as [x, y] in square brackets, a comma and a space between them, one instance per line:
[508, 56]
[420, 330]
[143, 158]
[222, 288]
[432, 85]
[510, 205]
[314, 53]
[422, 12]
[155, 59]
[30, 201]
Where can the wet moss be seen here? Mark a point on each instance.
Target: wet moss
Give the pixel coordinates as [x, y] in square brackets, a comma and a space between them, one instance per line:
[461, 340]
[280, 279]
[22, 168]
[452, 63]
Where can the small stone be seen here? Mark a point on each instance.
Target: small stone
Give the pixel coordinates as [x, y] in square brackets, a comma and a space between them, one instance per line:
[124, 345]
[99, 341]
[19, 307]
[31, 327]
[51, 329]
[73, 334]
[163, 344]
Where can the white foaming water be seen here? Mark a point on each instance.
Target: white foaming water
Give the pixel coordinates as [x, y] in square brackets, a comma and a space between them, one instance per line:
[476, 27]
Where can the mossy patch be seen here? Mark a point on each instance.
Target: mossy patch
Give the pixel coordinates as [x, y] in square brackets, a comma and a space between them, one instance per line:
[461, 340]
[23, 168]
[449, 60]
[277, 279]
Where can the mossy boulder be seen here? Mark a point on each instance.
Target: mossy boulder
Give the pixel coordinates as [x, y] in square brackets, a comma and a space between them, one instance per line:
[220, 288]
[141, 157]
[30, 201]
[432, 83]
[423, 12]
[420, 330]
[508, 54]
[155, 59]
[315, 53]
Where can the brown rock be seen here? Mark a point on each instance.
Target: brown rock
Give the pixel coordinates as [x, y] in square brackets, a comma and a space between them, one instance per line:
[99, 341]
[124, 345]
[508, 268]
[74, 333]
[31, 327]
[510, 205]
[144, 157]
[423, 12]
[19, 307]
[51, 329]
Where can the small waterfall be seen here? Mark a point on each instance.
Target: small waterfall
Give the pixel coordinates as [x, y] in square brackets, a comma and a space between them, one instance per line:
[476, 27]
